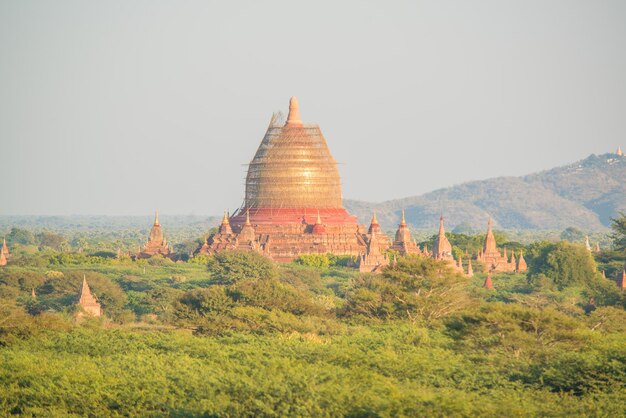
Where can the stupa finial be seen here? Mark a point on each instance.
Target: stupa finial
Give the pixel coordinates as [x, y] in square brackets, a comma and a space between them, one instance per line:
[225, 220]
[156, 217]
[403, 221]
[248, 217]
[293, 119]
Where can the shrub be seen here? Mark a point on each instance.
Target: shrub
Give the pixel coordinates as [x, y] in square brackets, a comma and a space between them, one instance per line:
[229, 267]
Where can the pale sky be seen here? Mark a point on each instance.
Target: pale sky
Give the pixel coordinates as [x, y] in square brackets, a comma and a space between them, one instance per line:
[118, 107]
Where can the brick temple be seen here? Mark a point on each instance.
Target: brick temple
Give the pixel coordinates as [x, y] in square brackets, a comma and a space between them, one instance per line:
[293, 202]
[493, 260]
[156, 244]
[87, 303]
[4, 253]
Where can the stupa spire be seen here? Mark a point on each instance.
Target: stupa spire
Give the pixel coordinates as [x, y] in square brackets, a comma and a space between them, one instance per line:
[225, 228]
[402, 221]
[318, 228]
[470, 270]
[87, 301]
[156, 217]
[85, 292]
[488, 283]
[489, 246]
[248, 217]
[619, 151]
[374, 225]
[442, 247]
[293, 119]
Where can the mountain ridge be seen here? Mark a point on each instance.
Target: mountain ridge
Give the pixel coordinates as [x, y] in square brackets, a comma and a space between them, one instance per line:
[585, 194]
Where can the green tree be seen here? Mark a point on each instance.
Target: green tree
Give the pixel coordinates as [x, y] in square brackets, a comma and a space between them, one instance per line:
[212, 300]
[52, 240]
[573, 234]
[21, 236]
[230, 267]
[562, 263]
[618, 226]
[314, 260]
[416, 288]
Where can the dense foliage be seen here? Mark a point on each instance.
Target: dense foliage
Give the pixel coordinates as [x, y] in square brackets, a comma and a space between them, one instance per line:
[238, 335]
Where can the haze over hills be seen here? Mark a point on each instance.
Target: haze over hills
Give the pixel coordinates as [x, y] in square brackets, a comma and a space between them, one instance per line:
[584, 194]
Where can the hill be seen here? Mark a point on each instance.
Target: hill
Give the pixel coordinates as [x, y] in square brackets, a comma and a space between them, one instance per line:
[584, 194]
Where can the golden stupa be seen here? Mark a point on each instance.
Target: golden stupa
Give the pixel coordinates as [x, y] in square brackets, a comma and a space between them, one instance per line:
[293, 168]
[293, 202]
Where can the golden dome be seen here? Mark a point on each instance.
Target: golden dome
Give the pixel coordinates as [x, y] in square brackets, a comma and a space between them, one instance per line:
[293, 168]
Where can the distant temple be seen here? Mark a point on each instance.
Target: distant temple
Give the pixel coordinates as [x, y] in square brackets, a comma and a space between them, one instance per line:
[493, 260]
[87, 303]
[4, 254]
[488, 283]
[157, 244]
[403, 243]
[442, 249]
[293, 203]
[373, 260]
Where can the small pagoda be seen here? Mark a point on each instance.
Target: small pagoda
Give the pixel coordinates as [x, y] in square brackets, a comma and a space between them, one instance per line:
[403, 243]
[492, 259]
[87, 303]
[373, 260]
[157, 244]
[4, 254]
[442, 249]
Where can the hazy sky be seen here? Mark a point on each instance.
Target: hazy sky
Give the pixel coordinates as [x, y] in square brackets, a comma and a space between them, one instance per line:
[118, 107]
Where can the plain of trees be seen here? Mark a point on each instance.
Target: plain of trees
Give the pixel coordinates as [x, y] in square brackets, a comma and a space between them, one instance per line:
[236, 334]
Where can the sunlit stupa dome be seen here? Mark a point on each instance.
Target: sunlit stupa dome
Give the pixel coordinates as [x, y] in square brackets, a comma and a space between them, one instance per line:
[293, 168]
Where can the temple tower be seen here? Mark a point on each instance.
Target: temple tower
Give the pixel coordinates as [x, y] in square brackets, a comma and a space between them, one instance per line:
[293, 202]
[225, 228]
[5, 248]
[157, 244]
[318, 228]
[87, 302]
[488, 283]
[489, 246]
[490, 257]
[373, 260]
[442, 249]
[403, 243]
